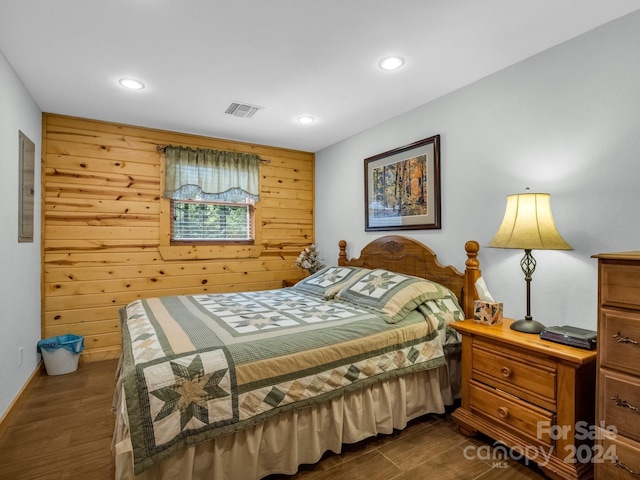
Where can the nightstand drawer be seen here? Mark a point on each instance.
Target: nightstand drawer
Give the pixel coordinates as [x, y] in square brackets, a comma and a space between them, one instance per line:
[620, 340]
[619, 285]
[505, 408]
[527, 376]
[620, 402]
[616, 458]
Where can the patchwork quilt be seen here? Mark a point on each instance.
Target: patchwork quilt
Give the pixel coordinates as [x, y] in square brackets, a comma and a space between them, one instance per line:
[196, 367]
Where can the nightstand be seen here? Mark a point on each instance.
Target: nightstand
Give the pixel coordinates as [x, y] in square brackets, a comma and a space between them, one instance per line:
[534, 396]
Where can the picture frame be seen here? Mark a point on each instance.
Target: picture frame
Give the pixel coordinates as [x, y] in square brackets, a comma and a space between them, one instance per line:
[26, 191]
[402, 187]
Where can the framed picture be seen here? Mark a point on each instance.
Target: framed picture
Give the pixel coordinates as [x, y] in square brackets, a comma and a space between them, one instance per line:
[402, 187]
[26, 174]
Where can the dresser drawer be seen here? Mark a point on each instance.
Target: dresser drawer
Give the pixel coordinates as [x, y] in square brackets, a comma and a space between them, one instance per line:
[527, 376]
[507, 409]
[619, 340]
[619, 402]
[620, 284]
[616, 457]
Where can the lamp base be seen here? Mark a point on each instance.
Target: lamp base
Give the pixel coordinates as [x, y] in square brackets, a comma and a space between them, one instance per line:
[527, 326]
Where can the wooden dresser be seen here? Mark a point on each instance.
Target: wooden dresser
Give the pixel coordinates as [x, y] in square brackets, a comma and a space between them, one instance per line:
[529, 394]
[618, 390]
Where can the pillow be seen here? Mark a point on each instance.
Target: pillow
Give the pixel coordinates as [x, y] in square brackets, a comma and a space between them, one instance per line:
[329, 281]
[393, 295]
[446, 309]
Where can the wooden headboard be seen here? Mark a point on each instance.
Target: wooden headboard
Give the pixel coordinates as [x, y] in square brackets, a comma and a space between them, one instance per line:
[405, 255]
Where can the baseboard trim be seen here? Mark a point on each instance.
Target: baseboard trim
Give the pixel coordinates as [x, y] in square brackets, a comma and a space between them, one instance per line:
[14, 407]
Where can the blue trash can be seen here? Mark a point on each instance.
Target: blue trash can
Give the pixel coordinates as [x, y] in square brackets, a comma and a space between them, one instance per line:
[61, 353]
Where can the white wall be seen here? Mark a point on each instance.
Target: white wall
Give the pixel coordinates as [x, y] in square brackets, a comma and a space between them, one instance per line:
[20, 274]
[564, 122]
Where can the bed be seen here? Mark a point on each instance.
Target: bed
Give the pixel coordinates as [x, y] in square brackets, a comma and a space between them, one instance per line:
[248, 384]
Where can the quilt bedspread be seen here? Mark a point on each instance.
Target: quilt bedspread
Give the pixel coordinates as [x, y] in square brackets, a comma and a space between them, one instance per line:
[196, 367]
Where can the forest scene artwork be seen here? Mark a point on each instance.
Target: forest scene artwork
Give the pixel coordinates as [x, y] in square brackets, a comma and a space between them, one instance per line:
[399, 188]
[402, 187]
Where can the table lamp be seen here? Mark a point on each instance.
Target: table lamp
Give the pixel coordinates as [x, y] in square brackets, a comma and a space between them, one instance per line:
[528, 224]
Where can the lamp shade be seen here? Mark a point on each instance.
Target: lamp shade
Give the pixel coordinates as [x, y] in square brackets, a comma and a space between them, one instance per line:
[528, 224]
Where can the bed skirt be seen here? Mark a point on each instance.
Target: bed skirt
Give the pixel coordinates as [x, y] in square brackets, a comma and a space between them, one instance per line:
[282, 443]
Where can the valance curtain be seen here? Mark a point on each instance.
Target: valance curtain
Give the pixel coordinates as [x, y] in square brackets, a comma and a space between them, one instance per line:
[211, 174]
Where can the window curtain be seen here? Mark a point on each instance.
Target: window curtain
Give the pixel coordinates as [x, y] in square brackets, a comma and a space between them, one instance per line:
[211, 174]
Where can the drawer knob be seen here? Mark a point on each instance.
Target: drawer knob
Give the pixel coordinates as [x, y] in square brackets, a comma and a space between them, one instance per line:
[622, 339]
[506, 372]
[624, 467]
[503, 412]
[624, 404]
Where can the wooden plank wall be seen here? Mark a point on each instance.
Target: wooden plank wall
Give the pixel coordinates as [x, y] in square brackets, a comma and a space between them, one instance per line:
[101, 226]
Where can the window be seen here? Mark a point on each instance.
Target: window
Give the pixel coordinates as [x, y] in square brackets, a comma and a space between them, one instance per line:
[201, 221]
[212, 195]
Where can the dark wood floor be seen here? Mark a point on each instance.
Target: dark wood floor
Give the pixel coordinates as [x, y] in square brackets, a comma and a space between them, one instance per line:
[64, 432]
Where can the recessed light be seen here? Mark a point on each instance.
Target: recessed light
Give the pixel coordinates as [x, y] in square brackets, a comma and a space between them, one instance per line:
[131, 83]
[306, 119]
[391, 63]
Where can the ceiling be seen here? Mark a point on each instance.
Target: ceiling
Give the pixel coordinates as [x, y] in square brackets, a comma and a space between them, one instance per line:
[291, 57]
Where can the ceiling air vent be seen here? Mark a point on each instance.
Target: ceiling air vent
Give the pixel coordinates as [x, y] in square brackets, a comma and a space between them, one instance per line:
[242, 110]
